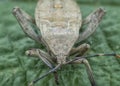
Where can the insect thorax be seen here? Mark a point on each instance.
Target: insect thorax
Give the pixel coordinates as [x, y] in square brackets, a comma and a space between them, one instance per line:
[59, 25]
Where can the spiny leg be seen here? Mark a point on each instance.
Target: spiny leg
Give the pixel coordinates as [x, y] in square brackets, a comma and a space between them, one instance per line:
[93, 21]
[46, 58]
[24, 20]
[80, 50]
[88, 69]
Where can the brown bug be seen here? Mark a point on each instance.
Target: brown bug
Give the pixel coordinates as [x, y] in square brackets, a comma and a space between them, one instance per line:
[59, 22]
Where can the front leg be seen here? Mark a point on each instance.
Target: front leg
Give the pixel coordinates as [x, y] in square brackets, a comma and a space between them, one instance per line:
[46, 58]
[24, 20]
[93, 21]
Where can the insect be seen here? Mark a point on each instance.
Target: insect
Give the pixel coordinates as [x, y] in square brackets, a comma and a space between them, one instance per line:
[59, 23]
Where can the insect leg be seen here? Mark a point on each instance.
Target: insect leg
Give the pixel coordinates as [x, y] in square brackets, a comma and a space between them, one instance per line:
[25, 22]
[88, 69]
[91, 56]
[82, 59]
[42, 55]
[51, 71]
[46, 58]
[80, 50]
[93, 21]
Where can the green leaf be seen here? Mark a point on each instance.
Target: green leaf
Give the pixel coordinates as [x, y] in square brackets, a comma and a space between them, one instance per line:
[16, 69]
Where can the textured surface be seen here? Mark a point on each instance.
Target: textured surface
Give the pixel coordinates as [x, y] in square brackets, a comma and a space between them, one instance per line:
[59, 25]
[16, 69]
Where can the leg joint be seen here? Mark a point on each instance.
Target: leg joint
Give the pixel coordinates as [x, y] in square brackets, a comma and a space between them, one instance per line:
[85, 61]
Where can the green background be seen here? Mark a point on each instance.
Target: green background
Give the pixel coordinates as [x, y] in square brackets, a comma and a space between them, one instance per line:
[17, 69]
